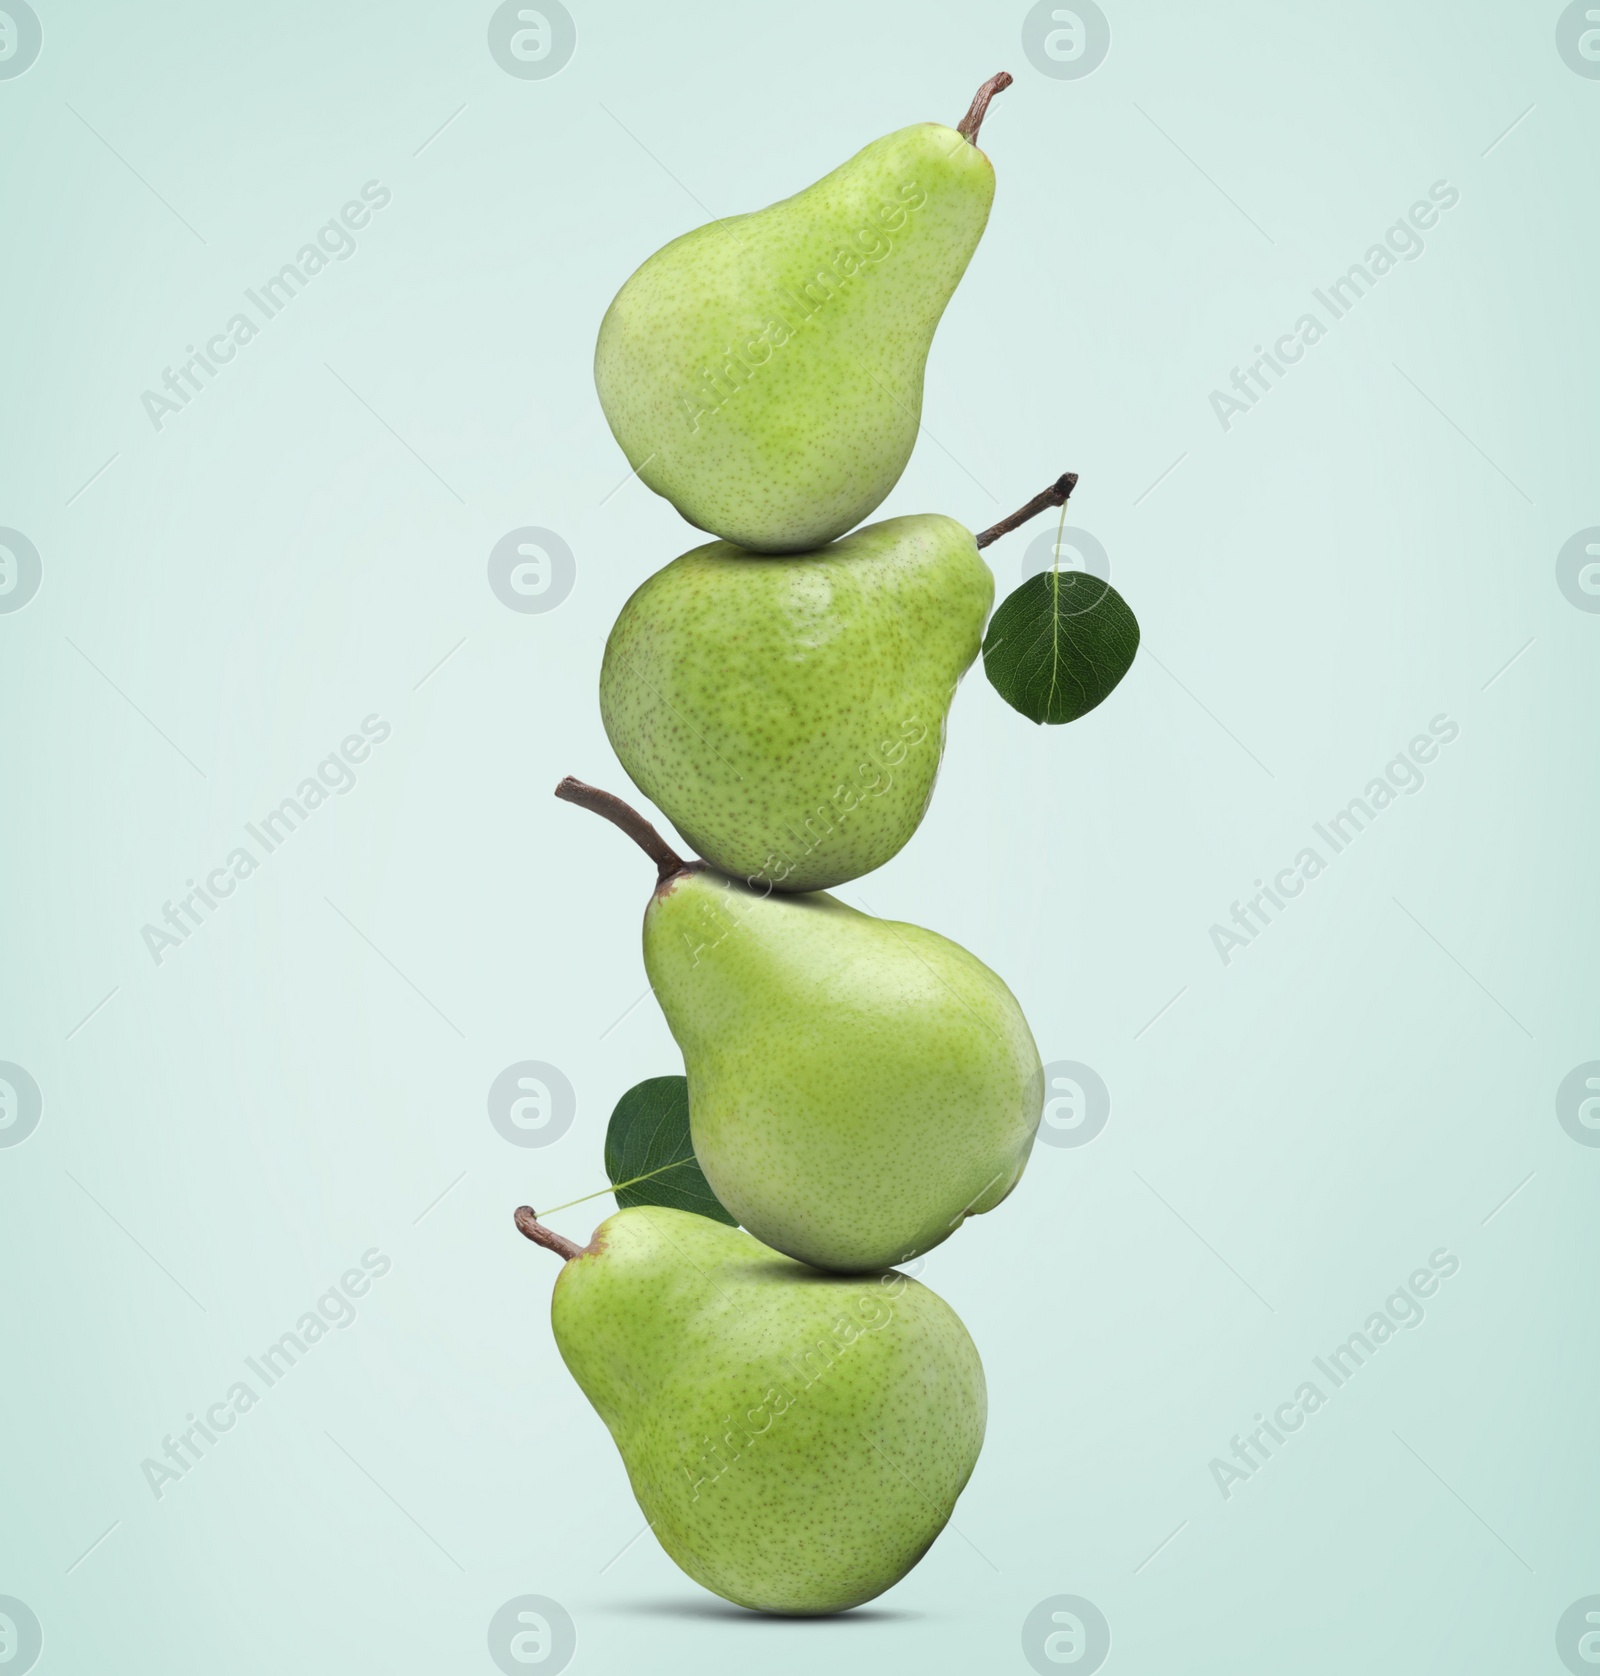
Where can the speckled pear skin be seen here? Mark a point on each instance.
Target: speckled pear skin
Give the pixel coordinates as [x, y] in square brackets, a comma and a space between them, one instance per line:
[787, 714]
[857, 1087]
[764, 373]
[796, 1440]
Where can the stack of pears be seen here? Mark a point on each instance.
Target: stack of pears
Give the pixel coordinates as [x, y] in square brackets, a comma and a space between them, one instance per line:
[797, 1418]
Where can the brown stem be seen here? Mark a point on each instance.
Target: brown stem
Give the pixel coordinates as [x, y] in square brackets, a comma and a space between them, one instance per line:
[969, 125]
[1055, 495]
[667, 860]
[529, 1225]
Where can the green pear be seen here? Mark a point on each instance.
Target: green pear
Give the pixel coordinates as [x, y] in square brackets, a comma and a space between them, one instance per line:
[796, 1440]
[787, 713]
[764, 372]
[857, 1086]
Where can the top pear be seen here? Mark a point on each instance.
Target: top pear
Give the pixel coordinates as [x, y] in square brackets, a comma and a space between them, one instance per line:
[764, 373]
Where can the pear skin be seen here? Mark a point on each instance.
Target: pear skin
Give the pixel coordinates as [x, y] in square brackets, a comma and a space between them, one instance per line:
[764, 372]
[787, 714]
[796, 1440]
[858, 1087]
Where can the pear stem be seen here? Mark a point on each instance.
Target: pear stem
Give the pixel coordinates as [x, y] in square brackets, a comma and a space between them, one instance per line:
[969, 125]
[1055, 495]
[529, 1225]
[667, 860]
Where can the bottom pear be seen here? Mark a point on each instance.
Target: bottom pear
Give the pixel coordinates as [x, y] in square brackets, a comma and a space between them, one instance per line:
[796, 1439]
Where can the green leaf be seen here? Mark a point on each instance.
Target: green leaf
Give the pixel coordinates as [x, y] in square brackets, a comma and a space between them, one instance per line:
[649, 1155]
[1059, 644]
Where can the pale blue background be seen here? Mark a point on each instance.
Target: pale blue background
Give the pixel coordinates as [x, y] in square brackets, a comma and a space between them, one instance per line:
[307, 1075]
